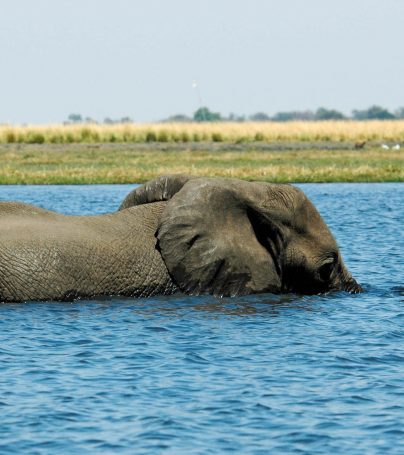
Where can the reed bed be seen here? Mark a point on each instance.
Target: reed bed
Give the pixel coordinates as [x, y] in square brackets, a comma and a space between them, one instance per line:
[333, 131]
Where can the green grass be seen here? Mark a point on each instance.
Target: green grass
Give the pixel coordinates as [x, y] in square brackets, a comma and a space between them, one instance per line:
[47, 164]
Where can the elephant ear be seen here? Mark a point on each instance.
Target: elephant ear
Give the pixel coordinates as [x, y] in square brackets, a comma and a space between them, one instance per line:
[214, 240]
[160, 189]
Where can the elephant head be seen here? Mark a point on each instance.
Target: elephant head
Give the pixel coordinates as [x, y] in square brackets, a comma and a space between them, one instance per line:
[232, 237]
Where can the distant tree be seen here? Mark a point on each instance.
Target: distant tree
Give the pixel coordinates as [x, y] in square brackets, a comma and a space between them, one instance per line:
[293, 115]
[90, 120]
[108, 121]
[328, 114]
[75, 118]
[373, 113]
[178, 118]
[126, 120]
[359, 115]
[235, 118]
[283, 116]
[203, 114]
[259, 117]
[304, 115]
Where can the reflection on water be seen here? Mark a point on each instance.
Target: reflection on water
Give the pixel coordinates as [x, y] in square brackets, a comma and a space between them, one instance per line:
[216, 307]
[180, 374]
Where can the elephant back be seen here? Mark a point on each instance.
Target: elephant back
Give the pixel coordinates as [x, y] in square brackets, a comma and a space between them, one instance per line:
[160, 189]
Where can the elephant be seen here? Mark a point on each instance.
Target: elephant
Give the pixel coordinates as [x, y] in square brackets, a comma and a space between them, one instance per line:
[177, 233]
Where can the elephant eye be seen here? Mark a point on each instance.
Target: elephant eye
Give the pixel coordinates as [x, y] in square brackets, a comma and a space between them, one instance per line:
[327, 268]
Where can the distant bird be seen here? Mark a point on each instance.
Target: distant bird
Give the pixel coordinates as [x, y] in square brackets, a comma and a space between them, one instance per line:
[396, 147]
[360, 145]
[385, 147]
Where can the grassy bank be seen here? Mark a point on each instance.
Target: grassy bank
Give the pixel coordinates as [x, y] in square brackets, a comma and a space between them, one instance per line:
[109, 163]
[336, 131]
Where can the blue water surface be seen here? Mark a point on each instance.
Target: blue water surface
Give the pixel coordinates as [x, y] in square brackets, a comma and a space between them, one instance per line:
[200, 375]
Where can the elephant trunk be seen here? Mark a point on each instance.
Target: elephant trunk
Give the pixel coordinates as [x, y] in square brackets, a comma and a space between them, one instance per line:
[353, 286]
[349, 284]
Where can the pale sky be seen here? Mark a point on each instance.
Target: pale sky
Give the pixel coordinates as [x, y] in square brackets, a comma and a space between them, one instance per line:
[138, 58]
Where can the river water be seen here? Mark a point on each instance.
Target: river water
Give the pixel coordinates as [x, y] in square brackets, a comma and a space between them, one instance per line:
[199, 375]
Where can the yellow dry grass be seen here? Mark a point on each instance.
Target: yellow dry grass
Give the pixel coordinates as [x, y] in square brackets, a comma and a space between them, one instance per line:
[337, 131]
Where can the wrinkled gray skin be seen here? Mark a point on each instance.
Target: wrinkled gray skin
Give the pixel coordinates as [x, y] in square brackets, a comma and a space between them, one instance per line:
[176, 233]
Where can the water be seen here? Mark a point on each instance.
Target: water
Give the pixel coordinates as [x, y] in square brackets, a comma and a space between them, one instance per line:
[185, 375]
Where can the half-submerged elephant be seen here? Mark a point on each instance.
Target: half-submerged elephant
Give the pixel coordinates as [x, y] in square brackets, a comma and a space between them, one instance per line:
[177, 233]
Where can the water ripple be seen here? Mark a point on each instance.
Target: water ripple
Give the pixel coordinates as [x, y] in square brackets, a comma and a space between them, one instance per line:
[197, 375]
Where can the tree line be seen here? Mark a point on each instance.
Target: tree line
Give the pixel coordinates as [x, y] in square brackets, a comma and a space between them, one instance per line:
[204, 114]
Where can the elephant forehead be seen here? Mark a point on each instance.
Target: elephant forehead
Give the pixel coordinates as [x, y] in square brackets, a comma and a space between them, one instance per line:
[219, 194]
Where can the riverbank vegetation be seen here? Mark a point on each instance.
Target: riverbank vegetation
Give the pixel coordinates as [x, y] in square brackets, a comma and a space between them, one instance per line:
[136, 163]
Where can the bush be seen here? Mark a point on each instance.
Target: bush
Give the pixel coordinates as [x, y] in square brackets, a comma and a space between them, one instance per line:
[162, 136]
[95, 136]
[85, 134]
[217, 137]
[35, 138]
[55, 138]
[69, 138]
[126, 136]
[11, 137]
[176, 137]
[151, 136]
